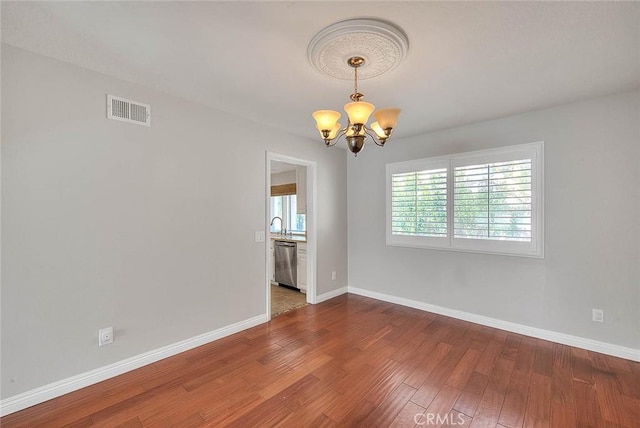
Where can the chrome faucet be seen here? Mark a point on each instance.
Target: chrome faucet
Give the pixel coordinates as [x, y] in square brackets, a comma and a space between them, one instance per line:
[274, 219]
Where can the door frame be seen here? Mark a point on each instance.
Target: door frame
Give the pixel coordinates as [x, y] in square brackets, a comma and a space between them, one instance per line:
[312, 171]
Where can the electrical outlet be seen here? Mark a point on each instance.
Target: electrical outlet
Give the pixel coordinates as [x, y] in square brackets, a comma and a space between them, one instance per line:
[260, 236]
[334, 275]
[597, 315]
[105, 336]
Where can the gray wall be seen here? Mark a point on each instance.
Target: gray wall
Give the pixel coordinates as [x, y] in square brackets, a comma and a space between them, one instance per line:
[592, 212]
[286, 177]
[150, 230]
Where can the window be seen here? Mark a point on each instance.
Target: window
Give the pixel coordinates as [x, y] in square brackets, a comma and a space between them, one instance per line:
[487, 201]
[285, 207]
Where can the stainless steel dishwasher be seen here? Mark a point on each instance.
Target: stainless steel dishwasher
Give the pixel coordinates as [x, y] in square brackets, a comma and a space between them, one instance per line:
[286, 259]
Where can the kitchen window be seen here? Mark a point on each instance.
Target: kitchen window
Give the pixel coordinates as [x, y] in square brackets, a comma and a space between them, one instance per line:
[488, 201]
[285, 207]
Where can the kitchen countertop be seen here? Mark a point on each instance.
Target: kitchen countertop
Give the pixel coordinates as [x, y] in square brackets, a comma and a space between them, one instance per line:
[294, 238]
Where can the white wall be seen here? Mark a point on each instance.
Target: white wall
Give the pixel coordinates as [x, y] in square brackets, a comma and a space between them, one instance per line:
[149, 230]
[592, 252]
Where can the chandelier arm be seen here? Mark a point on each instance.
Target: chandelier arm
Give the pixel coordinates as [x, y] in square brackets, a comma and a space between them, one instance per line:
[330, 143]
[374, 138]
[341, 133]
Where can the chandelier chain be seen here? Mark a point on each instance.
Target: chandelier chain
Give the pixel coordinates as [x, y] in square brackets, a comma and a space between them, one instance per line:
[355, 87]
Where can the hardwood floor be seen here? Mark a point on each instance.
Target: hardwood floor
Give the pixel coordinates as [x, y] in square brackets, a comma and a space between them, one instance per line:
[354, 361]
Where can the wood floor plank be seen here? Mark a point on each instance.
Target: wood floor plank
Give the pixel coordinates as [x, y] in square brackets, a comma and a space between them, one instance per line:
[131, 423]
[309, 413]
[422, 371]
[355, 390]
[471, 394]
[381, 390]
[358, 412]
[501, 375]
[411, 334]
[563, 410]
[442, 404]
[582, 369]
[458, 420]
[477, 337]
[561, 416]
[618, 364]
[543, 362]
[629, 384]
[489, 357]
[386, 412]
[274, 409]
[463, 369]
[561, 356]
[538, 411]
[145, 403]
[524, 361]
[436, 380]
[488, 411]
[515, 404]
[408, 416]
[80, 423]
[586, 401]
[294, 376]
[607, 393]
[511, 346]
[599, 362]
[355, 361]
[632, 409]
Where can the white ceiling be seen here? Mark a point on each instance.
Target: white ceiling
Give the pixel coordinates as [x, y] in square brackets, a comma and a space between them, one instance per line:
[467, 61]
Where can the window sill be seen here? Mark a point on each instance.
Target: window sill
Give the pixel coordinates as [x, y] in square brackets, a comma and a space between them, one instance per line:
[459, 249]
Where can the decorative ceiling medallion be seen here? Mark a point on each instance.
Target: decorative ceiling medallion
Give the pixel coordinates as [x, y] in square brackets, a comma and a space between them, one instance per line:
[382, 45]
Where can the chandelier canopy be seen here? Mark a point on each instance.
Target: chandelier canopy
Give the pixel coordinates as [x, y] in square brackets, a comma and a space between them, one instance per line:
[380, 40]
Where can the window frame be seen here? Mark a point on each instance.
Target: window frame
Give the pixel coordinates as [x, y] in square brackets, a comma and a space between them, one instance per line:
[533, 248]
[288, 214]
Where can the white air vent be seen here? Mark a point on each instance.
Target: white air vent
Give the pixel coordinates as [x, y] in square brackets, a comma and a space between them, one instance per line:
[128, 111]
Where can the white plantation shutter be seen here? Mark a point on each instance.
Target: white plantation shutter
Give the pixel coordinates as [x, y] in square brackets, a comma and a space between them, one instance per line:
[488, 201]
[493, 201]
[419, 203]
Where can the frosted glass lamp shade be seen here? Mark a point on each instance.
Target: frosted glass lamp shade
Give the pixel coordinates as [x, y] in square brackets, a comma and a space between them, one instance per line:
[387, 117]
[326, 119]
[333, 133]
[359, 111]
[378, 130]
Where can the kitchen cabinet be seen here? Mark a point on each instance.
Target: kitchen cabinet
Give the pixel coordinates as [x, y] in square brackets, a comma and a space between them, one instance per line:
[302, 266]
[301, 189]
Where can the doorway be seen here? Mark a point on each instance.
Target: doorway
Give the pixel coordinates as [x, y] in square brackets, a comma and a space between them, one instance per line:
[290, 224]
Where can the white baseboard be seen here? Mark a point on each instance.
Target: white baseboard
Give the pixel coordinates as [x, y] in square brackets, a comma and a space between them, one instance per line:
[64, 386]
[565, 339]
[331, 294]
[56, 389]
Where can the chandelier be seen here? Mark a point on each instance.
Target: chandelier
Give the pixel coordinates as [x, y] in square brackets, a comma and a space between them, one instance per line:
[358, 112]
[370, 47]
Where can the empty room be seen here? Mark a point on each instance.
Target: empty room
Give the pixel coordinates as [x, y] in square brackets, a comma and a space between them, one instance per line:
[318, 214]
